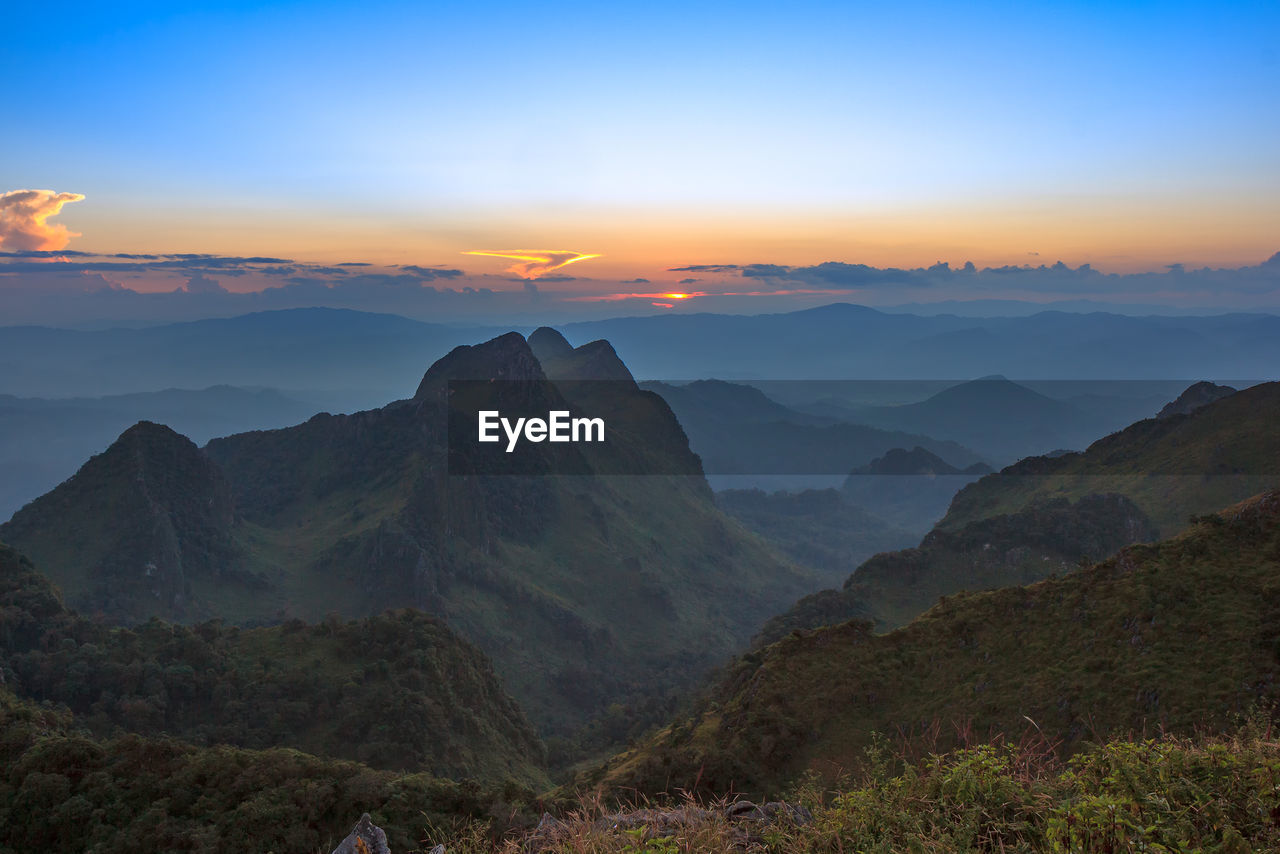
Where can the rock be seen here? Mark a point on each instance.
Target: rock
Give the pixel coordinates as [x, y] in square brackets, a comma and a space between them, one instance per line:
[776, 811]
[439, 849]
[770, 813]
[367, 838]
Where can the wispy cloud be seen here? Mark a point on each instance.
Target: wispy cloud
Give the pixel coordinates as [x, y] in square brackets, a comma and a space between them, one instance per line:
[534, 263]
[24, 216]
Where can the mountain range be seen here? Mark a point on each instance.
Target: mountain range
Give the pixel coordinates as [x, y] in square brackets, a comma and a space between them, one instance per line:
[572, 585]
[373, 355]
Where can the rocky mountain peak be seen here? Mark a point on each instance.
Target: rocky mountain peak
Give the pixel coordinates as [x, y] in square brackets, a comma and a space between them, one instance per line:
[548, 344]
[507, 357]
[1195, 396]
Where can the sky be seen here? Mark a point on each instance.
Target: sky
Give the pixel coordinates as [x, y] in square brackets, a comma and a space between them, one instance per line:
[654, 137]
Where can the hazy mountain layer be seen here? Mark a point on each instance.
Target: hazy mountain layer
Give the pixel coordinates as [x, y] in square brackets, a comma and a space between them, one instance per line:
[737, 430]
[815, 527]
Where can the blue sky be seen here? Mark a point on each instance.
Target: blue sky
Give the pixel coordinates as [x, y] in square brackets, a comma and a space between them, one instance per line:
[1127, 135]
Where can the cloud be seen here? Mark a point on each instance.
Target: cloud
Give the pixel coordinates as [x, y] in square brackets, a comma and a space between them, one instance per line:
[24, 218]
[705, 268]
[838, 275]
[423, 272]
[202, 284]
[534, 263]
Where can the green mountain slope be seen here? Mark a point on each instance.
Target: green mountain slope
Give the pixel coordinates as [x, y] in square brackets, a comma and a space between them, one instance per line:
[136, 527]
[1181, 635]
[585, 591]
[65, 790]
[398, 690]
[1171, 467]
[894, 587]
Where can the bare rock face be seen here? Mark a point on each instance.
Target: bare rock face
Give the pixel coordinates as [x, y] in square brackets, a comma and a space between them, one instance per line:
[365, 838]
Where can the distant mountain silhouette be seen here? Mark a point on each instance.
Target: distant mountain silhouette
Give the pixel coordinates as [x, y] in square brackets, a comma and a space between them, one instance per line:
[917, 461]
[363, 353]
[851, 342]
[997, 418]
[736, 429]
[910, 489]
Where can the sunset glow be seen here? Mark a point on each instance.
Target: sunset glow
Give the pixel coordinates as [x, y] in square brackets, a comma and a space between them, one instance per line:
[533, 263]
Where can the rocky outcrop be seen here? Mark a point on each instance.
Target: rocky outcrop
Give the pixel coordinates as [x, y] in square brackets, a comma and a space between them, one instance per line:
[1196, 396]
[365, 838]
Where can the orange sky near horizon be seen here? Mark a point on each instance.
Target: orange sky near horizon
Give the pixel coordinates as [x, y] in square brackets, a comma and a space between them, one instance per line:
[1114, 235]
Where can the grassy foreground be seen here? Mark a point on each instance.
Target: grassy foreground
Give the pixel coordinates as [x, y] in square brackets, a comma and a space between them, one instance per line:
[1219, 794]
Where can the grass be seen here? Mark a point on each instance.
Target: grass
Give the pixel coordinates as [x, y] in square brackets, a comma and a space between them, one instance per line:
[1207, 794]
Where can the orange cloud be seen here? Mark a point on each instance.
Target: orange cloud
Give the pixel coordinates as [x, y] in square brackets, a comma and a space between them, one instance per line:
[24, 215]
[533, 263]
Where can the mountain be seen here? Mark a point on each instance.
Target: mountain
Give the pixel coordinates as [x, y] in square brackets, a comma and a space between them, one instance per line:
[737, 430]
[303, 348]
[814, 527]
[585, 591]
[372, 356]
[44, 440]
[917, 461]
[1178, 636]
[398, 690]
[909, 489]
[843, 341]
[894, 587]
[1172, 467]
[1194, 397]
[142, 524]
[1000, 419]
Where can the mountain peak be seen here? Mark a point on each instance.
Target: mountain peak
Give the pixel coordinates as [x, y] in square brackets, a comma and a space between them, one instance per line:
[899, 461]
[548, 344]
[507, 357]
[1195, 396]
[152, 512]
[596, 360]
